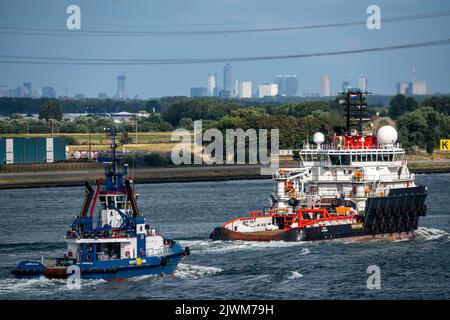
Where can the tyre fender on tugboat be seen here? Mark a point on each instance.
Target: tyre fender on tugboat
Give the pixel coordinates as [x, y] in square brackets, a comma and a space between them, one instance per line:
[378, 212]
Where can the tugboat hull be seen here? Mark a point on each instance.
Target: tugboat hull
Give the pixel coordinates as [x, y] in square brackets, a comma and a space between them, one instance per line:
[120, 269]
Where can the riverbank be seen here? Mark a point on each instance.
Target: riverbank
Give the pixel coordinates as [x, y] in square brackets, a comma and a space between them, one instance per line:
[178, 174]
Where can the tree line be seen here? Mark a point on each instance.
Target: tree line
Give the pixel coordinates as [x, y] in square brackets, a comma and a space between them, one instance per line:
[420, 124]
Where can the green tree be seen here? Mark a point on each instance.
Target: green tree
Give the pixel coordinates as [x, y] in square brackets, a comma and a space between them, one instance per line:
[51, 110]
[186, 123]
[399, 105]
[422, 128]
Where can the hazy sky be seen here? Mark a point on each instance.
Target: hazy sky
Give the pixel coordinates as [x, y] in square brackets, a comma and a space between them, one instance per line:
[383, 69]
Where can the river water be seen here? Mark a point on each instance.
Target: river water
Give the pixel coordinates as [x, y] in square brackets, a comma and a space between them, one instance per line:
[34, 221]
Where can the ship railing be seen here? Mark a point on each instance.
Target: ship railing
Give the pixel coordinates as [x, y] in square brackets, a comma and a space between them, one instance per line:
[337, 146]
[159, 252]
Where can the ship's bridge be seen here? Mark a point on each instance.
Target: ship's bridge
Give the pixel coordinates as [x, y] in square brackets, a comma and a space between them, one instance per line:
[352, 157]
[355, 150]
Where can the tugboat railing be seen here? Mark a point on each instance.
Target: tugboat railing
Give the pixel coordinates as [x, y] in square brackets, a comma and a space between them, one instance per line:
[159, 252]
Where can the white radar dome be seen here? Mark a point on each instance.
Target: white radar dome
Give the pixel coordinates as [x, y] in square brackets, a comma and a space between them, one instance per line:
[318, 138]
[387, 135]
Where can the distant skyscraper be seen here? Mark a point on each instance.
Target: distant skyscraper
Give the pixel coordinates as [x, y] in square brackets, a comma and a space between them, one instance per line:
[325, 86]
[227, 77]
[199, 92]
[402, 87]
[212, 84]
[267, 90]
[245, 89]
[412, 88]
[4, 92]
[235, 91]
[27, 86]
[287, 85]
[419, 87]
[48, 92]
[121, 94]
[102, 95]
[20, 92]
[13, 93]
[363, 83]
[217, 91]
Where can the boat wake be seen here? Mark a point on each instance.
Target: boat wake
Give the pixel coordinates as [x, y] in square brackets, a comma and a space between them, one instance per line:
[190, 271]
[208, 246]
[293, 275]
[41, 286]
[427, 234]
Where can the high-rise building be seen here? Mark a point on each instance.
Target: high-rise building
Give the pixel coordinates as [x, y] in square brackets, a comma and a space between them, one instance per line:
[48, 92]
[245, 89]
[419, 87]
[267, 90]
[212, 84]
[28, 92]
[199, 92]
[102, 95]
[227, 78]
[287, 85]
[217, 91]
[325, 90]
[362, 83]
[402, 87]
[21, 92]
[4, 92]
[121, 93]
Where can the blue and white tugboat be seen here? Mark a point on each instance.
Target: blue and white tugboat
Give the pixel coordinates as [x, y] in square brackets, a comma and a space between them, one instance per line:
[117, 243]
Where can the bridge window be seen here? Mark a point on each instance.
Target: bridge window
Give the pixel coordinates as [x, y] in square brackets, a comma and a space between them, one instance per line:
[102, 202]
[334, 159]
[345, 160]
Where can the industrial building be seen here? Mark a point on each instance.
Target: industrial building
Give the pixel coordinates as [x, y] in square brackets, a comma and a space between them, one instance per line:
[32, 150]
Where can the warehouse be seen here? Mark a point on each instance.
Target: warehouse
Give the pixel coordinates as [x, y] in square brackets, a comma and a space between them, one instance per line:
[32, 150]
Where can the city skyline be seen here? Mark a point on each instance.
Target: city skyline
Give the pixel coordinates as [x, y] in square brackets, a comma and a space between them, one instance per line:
[384, 69]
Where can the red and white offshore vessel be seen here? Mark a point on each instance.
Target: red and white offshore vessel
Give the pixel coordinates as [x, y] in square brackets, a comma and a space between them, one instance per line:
[358, 186]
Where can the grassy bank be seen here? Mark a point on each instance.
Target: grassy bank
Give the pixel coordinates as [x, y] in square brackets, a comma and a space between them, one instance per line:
[75, 176]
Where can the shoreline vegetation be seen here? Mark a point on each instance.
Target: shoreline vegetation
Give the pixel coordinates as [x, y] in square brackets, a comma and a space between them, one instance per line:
[420, 121]
[75, 176]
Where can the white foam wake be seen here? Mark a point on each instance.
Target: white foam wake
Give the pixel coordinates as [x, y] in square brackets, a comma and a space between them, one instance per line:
[293, 275]
[41, 285]
[431, 234]
[208, 246]
[191, 271]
